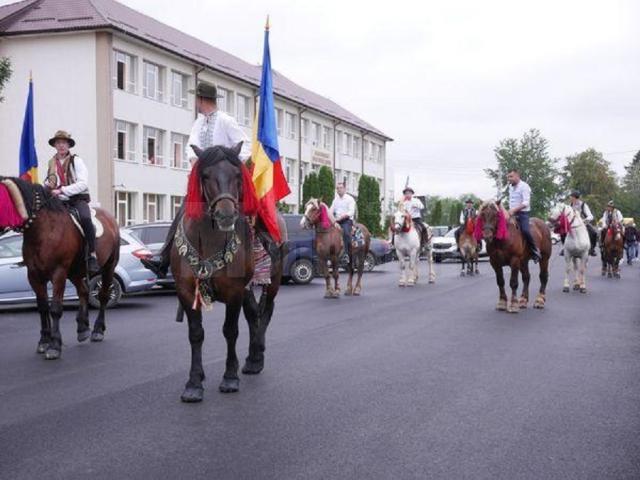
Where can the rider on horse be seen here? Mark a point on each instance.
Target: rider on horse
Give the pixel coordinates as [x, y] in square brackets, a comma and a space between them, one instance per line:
[68, 179]
[414, 206]
[212, 128]
[343, 209]
[520, 206]
[581, 207]
[468, 212]
[610, 217]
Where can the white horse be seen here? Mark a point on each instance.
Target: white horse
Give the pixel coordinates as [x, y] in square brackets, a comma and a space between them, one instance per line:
[407, 244]
[576, 245]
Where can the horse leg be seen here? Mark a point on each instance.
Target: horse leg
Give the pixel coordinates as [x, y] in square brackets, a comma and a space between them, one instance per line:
[432, 273]
[99, 327]
[513, 306]
[526, 278]
[476, 258]
[42, 298]
[411, 280]
[328, 293]
[230, 380]
[193, 390]
[358, 289]
[353, 258]
[544, 278]
[583, 272]
[54, 350]
[576, 273]
[403, 270]
[251, 309]
[462, 264]
[502, 296]
[336, 275]
[82, 319]
[567, 272]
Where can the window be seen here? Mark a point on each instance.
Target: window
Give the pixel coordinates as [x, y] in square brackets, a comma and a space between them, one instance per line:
[125, 71]
[338, 140]
[326, 137]
[179, 89]
[348, 144]
[151, 207]
[176, 203]
[317, 134]
[291, 125]
[225, 102]
[125, 141]
[244, 110]
[290, 171]
[356, 147]
[124, 208]
[305, 169]
[179, 151]
[279, 121]
[367, 150]
[152, 146]
[153, 81]
[304, 133]
[355, 178]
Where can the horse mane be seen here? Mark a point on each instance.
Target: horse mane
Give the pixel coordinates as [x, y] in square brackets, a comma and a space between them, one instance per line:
[28, 191]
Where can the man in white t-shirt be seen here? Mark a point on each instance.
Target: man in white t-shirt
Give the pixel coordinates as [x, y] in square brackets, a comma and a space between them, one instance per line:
[415, 207]
[212, 128]
[343, 209]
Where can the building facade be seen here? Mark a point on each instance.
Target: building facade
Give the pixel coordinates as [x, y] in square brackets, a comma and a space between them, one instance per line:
[120, 82]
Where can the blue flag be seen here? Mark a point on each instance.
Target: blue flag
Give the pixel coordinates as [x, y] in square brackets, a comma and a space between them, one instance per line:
[28, 156]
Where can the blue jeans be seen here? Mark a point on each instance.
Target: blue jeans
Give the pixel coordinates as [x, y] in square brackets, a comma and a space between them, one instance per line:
[523, 221]
[346, 225]
[632, 251]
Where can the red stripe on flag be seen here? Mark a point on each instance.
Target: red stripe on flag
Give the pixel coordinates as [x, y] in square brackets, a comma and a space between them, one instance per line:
[269, 215]
[280, 186]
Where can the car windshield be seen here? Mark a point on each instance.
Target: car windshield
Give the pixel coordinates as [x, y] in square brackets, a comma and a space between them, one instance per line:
[11, 247]
[451, 233]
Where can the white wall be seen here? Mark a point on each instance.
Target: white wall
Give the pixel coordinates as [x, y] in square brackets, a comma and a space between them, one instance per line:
[64, 78]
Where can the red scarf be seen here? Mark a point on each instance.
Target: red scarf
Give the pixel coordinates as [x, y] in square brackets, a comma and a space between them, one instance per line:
[60, 170]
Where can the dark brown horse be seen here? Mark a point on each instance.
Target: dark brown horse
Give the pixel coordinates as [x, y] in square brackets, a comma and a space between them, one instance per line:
[54, 251]
[507, 248]
[612, 250]
[329, 246]
[468, 247]
[212, 260]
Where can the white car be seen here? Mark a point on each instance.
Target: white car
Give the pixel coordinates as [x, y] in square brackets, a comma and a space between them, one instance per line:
[446, 247]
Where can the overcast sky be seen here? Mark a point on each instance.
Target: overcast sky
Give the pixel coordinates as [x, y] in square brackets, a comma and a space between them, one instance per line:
[448, 80]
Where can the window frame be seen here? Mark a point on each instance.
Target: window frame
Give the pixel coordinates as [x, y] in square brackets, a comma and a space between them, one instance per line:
[147, 68]
[158, 143]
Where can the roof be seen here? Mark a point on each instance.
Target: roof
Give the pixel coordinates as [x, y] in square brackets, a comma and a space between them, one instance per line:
[42, 16]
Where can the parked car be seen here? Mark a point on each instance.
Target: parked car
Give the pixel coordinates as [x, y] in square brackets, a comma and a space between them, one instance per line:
[301, 262]
[153, 236]
[439, 231]
[445, 247]
[130, 274]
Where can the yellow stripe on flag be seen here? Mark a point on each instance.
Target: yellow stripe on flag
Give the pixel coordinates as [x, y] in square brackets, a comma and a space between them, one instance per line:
[262, 164]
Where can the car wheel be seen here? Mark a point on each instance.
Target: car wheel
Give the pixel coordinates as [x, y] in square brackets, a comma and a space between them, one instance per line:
[301, 271]
[115, 292]
[369, 262]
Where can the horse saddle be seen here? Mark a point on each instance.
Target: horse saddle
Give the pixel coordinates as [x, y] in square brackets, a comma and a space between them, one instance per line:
[97, 224]
[357, 236]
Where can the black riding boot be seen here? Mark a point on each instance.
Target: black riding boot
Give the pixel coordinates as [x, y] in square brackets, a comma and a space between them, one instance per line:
[161, 266]
[89, 230]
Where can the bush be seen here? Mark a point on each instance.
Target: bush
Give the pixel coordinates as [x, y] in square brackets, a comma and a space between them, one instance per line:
[368, 203]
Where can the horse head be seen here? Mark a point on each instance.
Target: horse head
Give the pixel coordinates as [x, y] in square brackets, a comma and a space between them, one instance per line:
[488, 216]
[216, 182]
[616, 231]
[400, 220]
[316, 213]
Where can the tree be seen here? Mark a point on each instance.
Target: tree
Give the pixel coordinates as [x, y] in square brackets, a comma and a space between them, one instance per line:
[326, 185]
[368, 204]
[590, 174]
[529, 155]
[310, 189]
[628, 198]
[5, 73]
[455, 208]
[436, 213]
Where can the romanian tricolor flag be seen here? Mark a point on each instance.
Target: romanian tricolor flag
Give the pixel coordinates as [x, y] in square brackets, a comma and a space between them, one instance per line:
[268, 178]
[28, 157]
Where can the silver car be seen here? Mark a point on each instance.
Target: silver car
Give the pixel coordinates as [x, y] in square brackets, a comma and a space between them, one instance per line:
[130, 274]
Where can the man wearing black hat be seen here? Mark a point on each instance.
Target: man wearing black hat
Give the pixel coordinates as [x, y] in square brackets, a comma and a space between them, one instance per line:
[414, 206]
[467, 212]
[68, 179]
[212, 128]
[584, 211]
[610, 217]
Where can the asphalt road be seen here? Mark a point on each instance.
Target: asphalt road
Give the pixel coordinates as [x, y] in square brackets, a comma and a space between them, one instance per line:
[428, 382]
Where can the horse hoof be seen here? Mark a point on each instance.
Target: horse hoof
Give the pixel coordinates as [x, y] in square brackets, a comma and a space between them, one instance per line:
[52, 354]
[42, 347]
[252, 368]
[616, 275]
[566, 289]
[604, 273]
[328, 294]
[192, 394]
[84, 335]
[401, 283]
[583, 290]
[477, 272]
[524, 304]
[513, 309]
[97, 336]
[462, 274]
[357, 291]
[501, 306]
[432, 281]
[411, 283]
[229, 385]
[576, 287]
[348, 292]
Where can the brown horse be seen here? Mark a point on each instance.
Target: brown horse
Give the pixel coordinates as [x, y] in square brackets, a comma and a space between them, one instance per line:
[212, 260]
[612, 250]
[468, 246]
[54, 251]
[329, 247]
[507, 247]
